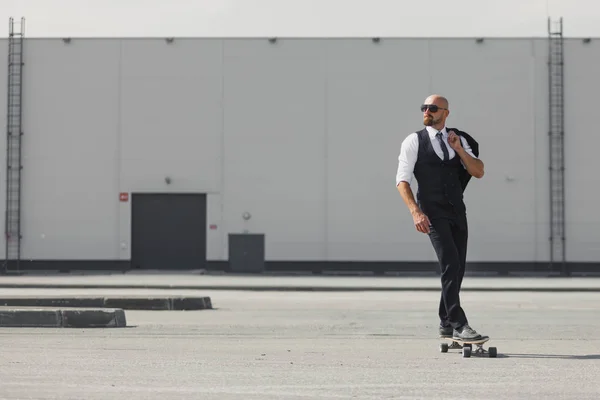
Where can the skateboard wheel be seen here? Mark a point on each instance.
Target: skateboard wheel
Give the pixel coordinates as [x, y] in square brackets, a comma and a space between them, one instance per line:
[466, 352]
[444, 347]
[493, 352]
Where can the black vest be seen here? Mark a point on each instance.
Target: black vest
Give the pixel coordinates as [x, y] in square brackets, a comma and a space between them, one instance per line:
[440, 192]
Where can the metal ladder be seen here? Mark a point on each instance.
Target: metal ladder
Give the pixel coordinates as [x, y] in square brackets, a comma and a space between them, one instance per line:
[556, 142]
[14, 134]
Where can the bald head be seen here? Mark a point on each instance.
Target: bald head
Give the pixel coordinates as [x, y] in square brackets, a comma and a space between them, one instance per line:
[435, 111]
[438, 100]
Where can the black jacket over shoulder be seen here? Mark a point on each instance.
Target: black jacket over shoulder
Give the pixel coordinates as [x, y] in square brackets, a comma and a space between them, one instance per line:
[441, 183]
[465, 177]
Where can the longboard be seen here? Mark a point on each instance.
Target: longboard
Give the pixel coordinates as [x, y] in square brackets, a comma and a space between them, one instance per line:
[466, 346]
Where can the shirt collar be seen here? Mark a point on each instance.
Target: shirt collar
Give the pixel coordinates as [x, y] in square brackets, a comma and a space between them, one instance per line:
[432, 132]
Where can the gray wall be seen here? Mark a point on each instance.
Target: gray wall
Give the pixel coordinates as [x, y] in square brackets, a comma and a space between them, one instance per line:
[303, 134]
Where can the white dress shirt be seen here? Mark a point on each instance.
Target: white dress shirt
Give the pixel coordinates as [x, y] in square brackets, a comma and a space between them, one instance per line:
[409, 151]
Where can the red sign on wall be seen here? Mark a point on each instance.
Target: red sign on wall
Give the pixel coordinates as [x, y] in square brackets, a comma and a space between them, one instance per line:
[124, 196]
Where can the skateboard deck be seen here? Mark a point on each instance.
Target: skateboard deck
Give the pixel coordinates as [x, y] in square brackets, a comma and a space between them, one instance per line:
[467, 348]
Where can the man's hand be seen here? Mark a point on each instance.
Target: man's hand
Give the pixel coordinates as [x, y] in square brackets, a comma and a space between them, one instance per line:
[454, 141]
[421, 221]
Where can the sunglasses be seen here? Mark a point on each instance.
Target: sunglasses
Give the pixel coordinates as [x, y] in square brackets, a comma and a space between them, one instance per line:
[432, 107]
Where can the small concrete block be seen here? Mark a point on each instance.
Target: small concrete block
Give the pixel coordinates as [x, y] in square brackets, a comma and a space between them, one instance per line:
[93, 318]
[30, 317]
[124, 302]
[191, 303]
[88, 302]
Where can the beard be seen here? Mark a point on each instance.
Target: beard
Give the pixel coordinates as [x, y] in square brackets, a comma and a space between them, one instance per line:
[429, 121]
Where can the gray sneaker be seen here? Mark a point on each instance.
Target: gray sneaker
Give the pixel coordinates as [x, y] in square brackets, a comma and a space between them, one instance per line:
[466, 333]
[446, 332]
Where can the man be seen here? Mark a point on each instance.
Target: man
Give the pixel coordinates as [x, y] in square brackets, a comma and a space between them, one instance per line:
[438, 158]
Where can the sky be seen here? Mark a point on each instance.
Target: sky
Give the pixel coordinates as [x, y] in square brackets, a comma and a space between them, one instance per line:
[300, 18]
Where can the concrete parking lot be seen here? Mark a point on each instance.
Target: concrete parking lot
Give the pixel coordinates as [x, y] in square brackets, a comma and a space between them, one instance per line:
[321, 345]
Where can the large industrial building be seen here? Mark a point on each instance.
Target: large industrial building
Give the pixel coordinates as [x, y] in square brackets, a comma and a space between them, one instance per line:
[258, 154]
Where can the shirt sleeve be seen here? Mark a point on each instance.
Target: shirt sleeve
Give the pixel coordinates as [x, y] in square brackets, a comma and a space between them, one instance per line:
[465, 145]
[407, 159]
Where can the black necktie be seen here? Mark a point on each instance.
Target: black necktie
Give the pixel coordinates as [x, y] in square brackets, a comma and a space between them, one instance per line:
[443, 146]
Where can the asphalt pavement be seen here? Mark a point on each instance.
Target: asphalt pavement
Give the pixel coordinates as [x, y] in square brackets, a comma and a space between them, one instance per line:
[313, 345]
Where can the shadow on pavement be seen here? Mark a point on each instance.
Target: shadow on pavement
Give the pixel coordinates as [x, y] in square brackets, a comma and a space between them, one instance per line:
[558, 356]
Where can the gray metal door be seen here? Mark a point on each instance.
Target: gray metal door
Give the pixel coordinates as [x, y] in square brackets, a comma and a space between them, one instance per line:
[168, 231]
[246, 252]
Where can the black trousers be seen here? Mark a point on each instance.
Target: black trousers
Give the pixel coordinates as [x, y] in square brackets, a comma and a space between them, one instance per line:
[449, 236]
